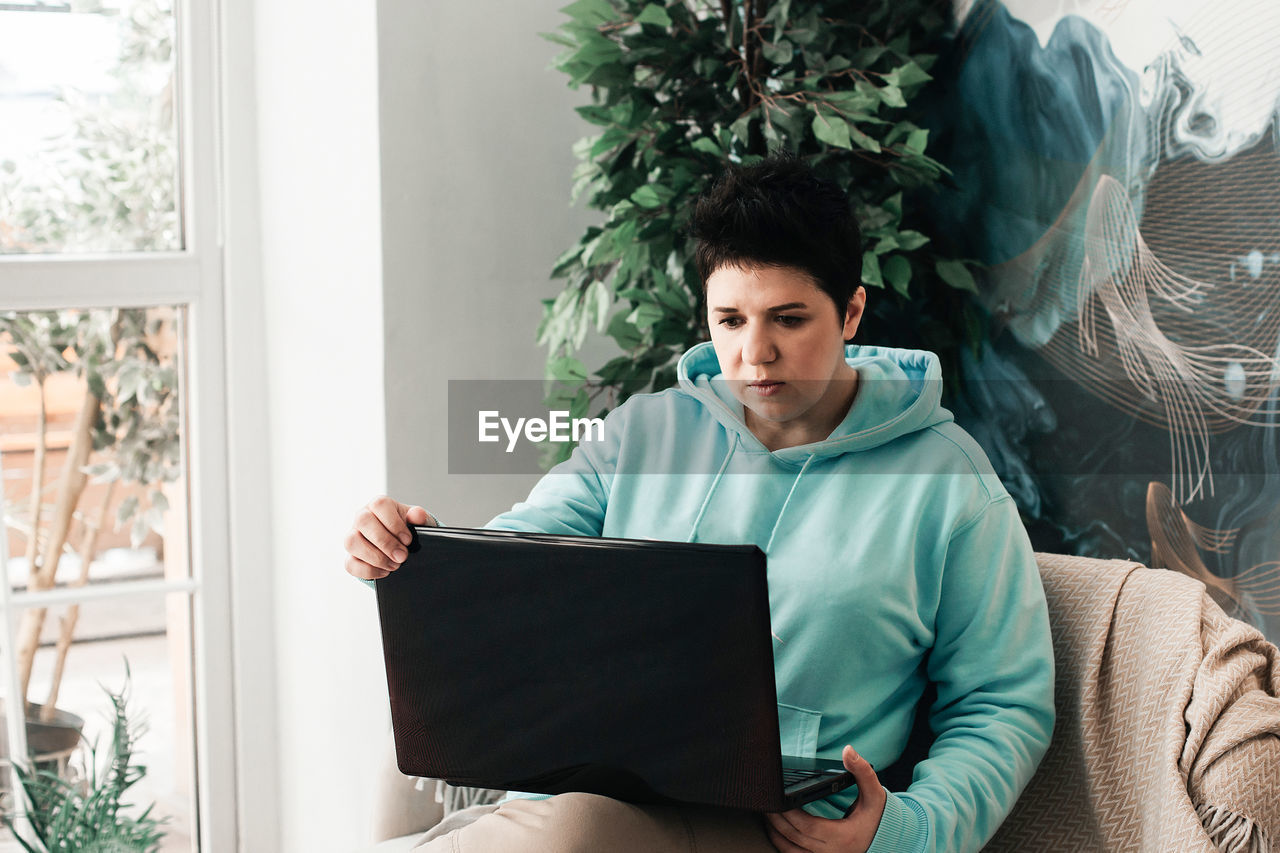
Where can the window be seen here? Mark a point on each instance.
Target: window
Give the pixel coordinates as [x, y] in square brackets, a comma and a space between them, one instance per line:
[88, 144]
[111, 365]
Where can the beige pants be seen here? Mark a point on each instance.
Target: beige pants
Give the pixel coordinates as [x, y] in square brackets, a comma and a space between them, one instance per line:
[589, 823]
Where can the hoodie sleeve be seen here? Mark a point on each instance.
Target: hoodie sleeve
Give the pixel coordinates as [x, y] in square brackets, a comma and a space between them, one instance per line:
[572, 497]
[992, 662]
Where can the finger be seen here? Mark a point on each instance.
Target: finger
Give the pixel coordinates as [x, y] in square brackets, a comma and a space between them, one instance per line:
[373, 526]
[364, 550]
[871, 794]
[392, 515]
[804, 822]
[793, 826]
[364, 571]
[418, 515]
[781, 843]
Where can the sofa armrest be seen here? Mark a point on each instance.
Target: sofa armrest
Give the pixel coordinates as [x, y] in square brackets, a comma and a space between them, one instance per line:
[405, 805]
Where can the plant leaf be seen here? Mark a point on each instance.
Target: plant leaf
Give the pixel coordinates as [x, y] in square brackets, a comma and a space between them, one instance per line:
[863, 140]
[621, 330]
[707, 145]
[598, 296]
[647, 197]
[654, 15]
[566, 368]
[911, 240]
[592, 13]
[897, 271]
[871, 270]
[892, 96]
[779, 53]
[917, 140]
[831, 129]
[645, 315]
[126, 511]
[911, 74]
[956, 274]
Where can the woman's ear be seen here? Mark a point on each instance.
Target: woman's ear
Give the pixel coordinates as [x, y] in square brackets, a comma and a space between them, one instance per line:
[853, 313]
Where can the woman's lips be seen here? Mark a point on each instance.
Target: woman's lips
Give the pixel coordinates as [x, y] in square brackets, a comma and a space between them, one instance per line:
[766, 389]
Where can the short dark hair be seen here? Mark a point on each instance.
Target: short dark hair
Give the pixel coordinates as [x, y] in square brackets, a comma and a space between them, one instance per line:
[778, 213]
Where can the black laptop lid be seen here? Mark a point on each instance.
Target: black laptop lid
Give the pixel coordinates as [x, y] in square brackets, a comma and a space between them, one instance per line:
[637, 669]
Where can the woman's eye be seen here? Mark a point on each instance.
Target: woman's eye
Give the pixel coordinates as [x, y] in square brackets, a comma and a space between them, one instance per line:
[788, 320]
[731, 322]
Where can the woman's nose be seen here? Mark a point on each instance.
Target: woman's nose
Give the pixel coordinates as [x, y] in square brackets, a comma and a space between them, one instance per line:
[758, 348]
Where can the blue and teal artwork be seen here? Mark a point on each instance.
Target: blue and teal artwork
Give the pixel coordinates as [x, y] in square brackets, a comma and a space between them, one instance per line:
[1117, 169]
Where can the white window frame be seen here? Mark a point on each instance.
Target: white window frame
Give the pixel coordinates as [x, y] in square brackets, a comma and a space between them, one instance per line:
[193, 278]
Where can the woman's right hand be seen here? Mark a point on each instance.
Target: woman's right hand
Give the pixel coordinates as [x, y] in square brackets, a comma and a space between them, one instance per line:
[377, 542]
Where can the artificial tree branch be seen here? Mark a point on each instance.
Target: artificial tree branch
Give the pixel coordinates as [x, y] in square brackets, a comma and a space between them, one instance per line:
[70, 488]
[751, 71]
[88, 550]
[751, 38]
[37, 477]
[744, 82]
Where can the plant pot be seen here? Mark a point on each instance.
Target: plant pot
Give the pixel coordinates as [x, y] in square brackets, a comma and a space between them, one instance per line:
[55, 737]
[45, 740]
[50, 745]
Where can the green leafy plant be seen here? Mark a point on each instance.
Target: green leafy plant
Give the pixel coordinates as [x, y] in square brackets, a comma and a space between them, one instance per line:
[681, 88]
[128, 431]
[91, 817]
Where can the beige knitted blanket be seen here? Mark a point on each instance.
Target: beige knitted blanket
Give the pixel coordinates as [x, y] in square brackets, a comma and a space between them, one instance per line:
[1168, 729]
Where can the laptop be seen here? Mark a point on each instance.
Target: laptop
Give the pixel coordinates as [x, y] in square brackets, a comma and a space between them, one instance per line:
[636, 669]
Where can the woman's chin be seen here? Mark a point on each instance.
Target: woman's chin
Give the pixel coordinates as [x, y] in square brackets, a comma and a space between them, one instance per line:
[767, 410]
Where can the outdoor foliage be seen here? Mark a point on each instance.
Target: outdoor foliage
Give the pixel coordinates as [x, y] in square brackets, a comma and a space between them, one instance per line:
[128, 432]
[90, 817]
[120, 354]
[109, 184]
[680, 89]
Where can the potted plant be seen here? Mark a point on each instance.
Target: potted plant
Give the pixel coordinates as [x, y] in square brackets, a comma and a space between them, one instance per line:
[126, 432]
[679, 89]
[80, 818]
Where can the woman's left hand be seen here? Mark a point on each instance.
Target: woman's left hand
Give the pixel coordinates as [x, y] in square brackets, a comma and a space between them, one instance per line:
[797, 831]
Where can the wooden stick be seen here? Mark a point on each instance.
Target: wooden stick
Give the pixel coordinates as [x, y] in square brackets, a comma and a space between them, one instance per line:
[37, 479]
[68, 623]
[70, 488]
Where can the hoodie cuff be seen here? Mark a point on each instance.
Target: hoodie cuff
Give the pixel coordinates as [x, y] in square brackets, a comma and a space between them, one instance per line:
[904, 828]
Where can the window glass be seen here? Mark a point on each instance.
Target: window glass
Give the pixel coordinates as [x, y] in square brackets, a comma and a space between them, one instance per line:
[141, 647]
[95, 501]
[94, 391]
[88, 141]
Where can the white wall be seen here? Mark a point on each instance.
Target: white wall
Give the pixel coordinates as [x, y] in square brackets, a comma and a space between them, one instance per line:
[317, 129]
[477, 134]
[403, 169]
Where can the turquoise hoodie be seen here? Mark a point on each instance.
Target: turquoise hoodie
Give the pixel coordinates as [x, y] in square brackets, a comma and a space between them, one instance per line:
[895, 557]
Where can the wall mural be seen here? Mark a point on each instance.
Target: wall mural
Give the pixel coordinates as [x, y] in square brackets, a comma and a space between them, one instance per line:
[1117, 167]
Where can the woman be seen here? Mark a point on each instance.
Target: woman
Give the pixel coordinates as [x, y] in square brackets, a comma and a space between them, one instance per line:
[895, 556]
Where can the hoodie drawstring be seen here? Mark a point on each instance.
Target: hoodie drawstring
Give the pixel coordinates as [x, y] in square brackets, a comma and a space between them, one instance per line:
[714, 483]
[706, 501]
[778, 521]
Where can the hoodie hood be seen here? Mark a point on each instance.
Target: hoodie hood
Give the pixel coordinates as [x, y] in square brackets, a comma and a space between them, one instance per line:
[899, 392]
